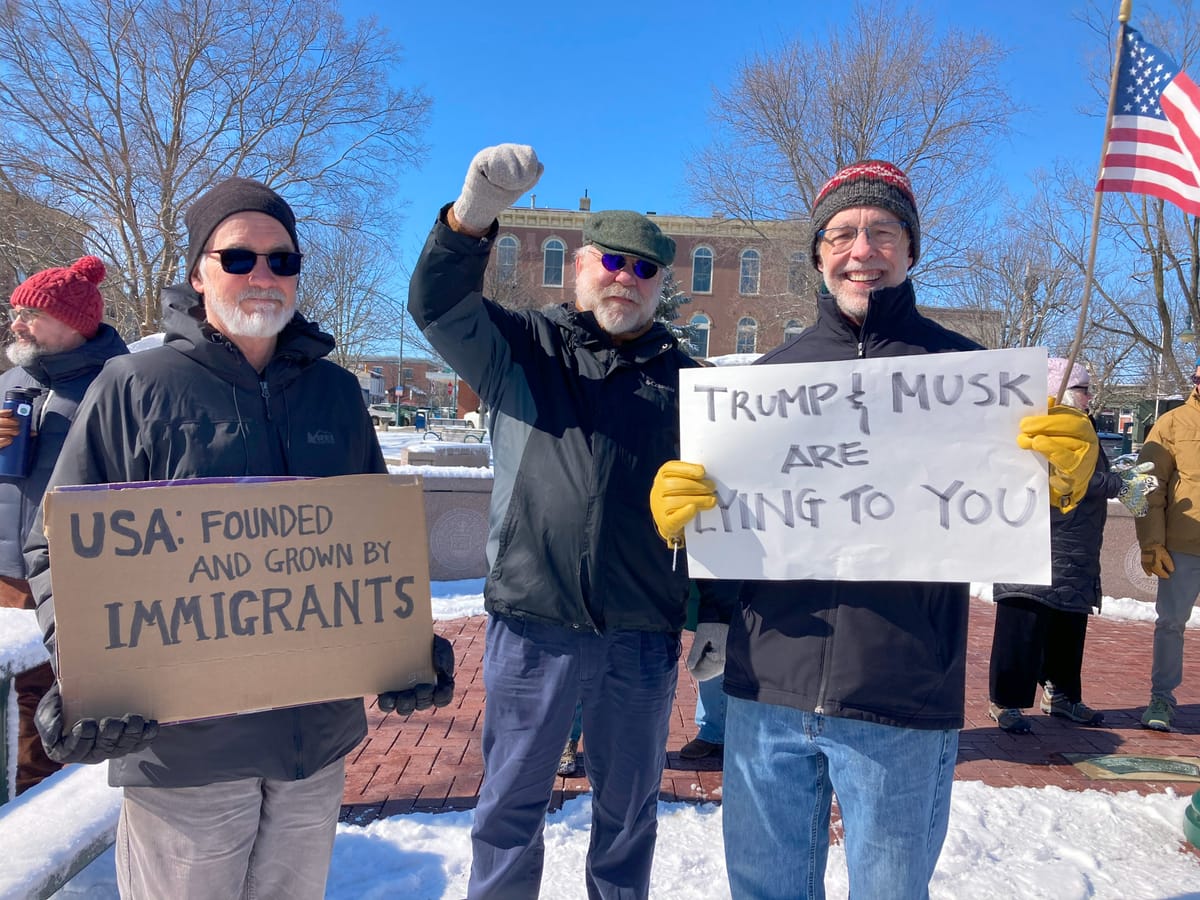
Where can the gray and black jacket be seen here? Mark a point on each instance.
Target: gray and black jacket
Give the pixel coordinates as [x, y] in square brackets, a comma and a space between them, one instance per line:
[62, 379]
[196, 408]
[579, 428]
[881, 651]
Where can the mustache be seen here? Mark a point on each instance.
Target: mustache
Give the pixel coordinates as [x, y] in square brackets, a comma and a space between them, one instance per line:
[261, 294]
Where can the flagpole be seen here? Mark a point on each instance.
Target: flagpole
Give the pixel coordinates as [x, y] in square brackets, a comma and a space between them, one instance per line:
[1122, 17]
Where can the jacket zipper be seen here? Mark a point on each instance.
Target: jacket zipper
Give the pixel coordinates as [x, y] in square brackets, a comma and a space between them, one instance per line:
[265, 390]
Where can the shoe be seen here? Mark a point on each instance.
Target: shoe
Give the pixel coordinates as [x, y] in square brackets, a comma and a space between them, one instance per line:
[699, 748]
[568, 763]
[1158, 715]
[1056, 704]
[1010, 720]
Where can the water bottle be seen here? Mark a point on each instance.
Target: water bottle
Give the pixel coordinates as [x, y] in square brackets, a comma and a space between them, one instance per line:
[16, 460]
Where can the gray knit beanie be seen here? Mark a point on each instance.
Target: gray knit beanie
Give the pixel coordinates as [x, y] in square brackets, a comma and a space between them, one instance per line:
[233, 195]
[870, 182]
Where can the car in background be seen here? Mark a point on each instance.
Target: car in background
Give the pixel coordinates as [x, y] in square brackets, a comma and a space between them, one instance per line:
[388, 413]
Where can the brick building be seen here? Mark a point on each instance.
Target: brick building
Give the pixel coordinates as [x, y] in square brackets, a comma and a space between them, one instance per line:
[750, 286]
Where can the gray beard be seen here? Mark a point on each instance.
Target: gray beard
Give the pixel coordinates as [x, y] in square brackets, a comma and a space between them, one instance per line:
[23, 353]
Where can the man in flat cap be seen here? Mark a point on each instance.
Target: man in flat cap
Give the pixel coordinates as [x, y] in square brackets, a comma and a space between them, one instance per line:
[246, 805]
[584, 603]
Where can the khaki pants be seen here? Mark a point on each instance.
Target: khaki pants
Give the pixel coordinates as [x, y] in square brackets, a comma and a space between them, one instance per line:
[253, 838]
[32, 762]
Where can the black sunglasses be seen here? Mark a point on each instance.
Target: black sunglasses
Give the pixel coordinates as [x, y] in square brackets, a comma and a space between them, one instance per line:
[239, 261]
[615, 262]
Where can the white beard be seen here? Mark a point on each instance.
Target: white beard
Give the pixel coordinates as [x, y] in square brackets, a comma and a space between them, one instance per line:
[616, 318]
[23, 353]
[261, 323]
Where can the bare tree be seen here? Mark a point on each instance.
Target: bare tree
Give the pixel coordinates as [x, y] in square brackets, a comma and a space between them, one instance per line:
[119, 113]
[884, 85]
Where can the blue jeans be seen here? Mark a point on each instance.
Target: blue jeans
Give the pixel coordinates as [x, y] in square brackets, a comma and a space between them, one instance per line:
[1176, 597]
[710, 710]
[534, 675]
[782, 768]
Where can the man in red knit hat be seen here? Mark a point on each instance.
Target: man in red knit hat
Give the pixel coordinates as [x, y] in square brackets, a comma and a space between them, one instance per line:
[58, 346]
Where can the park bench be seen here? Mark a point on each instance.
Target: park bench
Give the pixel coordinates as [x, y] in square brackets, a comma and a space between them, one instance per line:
[453, 430]
[54, 829]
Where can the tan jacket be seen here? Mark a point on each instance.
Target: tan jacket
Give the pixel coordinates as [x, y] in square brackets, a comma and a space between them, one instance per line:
[1173, 445]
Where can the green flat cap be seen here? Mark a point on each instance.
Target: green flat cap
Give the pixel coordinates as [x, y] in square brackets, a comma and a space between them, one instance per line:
[626, 231]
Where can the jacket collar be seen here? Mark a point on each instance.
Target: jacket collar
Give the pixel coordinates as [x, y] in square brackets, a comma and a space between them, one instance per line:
[56, 368]
[887, 309]
[585, 332]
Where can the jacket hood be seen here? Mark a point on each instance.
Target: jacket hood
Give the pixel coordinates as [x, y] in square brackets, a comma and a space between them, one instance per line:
[301, 341]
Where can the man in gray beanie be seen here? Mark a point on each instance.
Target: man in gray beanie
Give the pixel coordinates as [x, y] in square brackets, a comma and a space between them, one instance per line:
[243, 805]
[854, 689]
[584, 603]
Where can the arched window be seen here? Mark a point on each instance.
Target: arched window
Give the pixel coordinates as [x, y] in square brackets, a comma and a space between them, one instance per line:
[697, 334]
[793, 327]
[702, 270]
[748, 279]
[553, 253]
[797, 273]
[747, 334]
[506, 258]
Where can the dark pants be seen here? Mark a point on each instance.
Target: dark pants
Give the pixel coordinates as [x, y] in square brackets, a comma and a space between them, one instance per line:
[32, 762]
[1035, 643]
[534, 675]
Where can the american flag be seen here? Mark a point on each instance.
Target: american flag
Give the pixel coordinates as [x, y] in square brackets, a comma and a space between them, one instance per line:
[1154, 144]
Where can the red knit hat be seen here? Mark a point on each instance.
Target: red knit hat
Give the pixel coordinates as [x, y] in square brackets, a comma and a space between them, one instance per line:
[869, 182]
[69, 295]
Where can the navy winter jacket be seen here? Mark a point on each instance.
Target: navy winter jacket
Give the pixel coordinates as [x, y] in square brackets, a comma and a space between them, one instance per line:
[880, 651]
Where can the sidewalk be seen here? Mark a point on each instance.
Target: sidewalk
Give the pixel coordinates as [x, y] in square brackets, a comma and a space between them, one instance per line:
[431, 761]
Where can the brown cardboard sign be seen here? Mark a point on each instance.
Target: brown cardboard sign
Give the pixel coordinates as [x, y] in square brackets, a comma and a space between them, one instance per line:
[184, 600]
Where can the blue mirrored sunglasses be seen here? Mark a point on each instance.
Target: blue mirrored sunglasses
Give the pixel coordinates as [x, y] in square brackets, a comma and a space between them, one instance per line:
[239, 261]
[615, 262]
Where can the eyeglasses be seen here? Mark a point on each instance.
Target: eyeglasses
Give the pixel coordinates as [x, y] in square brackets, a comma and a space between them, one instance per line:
[880, 234]
[239, 261]
[23, 314]
[615, 262]
[1196, 380]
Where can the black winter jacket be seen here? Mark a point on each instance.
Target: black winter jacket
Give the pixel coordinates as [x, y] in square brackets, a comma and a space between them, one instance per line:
[195, 408]
[62, 377]
[1075, 541]
[579, 428]
[880, 651]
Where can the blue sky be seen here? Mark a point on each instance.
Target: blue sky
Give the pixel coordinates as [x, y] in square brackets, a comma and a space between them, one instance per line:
[615, 98]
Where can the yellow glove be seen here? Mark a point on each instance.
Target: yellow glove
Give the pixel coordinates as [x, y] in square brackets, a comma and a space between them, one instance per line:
[1066, 438]
[680, 490]
[1157, 561]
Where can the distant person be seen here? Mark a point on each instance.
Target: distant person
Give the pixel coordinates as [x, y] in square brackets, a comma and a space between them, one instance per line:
[58, 346]
[245, 805]
[1169, 536]
[851, 688]
[568, 761]
[1040, 630]
[584, 602]
[711, 606]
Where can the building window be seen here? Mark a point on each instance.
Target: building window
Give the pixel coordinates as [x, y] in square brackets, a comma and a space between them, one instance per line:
[553, 253]
[697, 334]
[747, 334]
[797, 272]
[506, 258]
[702, 270]
[748, 280]
[793, 327]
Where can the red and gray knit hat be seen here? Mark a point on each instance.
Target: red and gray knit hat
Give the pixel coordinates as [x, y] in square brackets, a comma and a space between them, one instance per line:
[69, 295]
[869, 182]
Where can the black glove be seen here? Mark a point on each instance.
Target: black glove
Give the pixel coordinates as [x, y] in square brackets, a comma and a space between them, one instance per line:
[424, 696]
[89, 741]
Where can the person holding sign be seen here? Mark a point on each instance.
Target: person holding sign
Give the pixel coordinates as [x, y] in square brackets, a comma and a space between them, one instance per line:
[1169, 535]
[248, 804]
[585, 605]
[59, 344]
[854, 688]
[1040, 630]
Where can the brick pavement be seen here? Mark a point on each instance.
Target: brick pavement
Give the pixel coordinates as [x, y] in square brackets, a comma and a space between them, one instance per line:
[431, 761]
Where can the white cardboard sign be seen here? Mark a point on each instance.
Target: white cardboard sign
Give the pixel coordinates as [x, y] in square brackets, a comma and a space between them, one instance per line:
[899, 469]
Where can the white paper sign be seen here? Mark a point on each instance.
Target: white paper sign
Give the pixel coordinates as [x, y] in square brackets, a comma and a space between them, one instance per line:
[899, 469]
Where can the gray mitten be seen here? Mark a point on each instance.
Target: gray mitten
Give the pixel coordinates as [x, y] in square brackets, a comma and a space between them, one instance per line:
[707, 659]
[497, 178]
